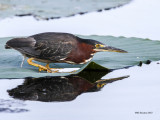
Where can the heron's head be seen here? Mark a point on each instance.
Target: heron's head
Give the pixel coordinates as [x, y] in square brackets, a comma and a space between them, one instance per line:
[100, 47]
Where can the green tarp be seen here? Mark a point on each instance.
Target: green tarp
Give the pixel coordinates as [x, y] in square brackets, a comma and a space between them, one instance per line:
[138, 50]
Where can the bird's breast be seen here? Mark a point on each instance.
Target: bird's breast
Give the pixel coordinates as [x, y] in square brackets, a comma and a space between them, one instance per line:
[80, 54]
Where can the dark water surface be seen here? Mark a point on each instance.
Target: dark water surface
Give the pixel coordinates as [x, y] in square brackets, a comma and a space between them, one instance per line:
[75, 97]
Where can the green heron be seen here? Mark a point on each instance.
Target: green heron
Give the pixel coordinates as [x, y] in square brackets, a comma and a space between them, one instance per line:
[53, 47]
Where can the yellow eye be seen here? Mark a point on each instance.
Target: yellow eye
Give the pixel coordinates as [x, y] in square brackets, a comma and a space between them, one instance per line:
[99, 85]
[97, 45]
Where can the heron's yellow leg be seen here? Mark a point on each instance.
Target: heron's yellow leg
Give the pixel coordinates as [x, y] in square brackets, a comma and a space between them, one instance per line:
[41, 67]
[54, 70]
[47, 66]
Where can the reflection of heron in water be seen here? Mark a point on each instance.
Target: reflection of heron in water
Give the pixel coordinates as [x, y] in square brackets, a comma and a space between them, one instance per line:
[60, 88]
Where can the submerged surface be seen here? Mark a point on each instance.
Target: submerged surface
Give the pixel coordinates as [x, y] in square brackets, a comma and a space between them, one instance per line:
[55, 8]
[139, 19]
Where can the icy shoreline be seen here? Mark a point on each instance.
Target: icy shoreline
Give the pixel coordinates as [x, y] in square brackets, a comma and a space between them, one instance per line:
[137, 19]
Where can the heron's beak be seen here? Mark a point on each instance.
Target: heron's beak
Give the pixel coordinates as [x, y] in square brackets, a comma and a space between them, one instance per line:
[109, 49]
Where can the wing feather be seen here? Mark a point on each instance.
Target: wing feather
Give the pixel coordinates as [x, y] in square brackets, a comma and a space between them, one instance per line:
[53, 51]
[45, 46]
[53, 46]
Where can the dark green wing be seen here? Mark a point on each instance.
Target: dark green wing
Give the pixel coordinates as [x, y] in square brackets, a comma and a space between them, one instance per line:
[54, 46]
[46, 46]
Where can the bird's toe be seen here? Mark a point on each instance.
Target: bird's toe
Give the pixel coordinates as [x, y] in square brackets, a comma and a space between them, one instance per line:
[54, 70]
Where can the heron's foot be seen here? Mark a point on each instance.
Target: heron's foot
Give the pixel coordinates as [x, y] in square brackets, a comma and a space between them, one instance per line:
[49, 71]
[53, 70]
[41, 67]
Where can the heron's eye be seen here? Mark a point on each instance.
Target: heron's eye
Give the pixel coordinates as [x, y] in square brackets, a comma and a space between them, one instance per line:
[97, 45]
[99, 85]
